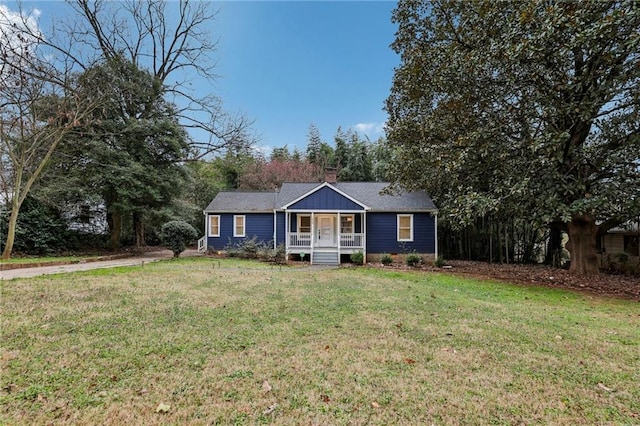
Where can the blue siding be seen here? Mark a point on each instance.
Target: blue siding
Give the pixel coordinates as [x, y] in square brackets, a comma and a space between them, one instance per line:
[382, 234]
[280, 237]
[325, 199]
[258, 225]
[358, 224]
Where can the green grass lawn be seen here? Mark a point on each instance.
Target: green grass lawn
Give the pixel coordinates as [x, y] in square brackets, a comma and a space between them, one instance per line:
[246, 343]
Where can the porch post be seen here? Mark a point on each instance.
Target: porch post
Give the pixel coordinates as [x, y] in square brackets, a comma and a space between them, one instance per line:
[364, 236]
[339, 232]
[313, 237]
[286, 233]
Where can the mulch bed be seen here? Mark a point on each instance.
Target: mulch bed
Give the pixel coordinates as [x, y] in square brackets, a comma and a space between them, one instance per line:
[620, 286]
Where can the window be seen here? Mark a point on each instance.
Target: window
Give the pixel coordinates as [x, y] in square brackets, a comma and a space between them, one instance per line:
[405, 227]
[214, 226]
[304, 224]
[346, 224]
[238, 226]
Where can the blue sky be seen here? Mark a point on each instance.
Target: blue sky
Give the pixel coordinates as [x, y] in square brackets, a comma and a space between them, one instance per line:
[288, 64]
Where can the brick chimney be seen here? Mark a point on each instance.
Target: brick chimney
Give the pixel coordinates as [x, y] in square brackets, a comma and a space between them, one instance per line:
[331, 175]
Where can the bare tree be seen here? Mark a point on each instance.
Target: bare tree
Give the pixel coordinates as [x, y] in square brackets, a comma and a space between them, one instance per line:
[169, 39]
[172, 41]
[37, 110]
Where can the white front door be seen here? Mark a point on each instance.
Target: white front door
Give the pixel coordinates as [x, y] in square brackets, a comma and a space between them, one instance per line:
[326, 236]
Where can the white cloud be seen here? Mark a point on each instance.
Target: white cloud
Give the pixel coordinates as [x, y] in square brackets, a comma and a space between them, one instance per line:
[18, 30]
[370, 129]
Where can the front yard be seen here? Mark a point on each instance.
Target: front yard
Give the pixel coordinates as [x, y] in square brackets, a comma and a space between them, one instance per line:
[197, 341]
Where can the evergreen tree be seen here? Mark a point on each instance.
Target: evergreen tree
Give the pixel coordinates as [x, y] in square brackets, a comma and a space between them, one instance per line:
[521, 109]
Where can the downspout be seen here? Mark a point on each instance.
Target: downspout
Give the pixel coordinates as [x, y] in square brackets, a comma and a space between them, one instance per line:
[275, 232]
[286, 233]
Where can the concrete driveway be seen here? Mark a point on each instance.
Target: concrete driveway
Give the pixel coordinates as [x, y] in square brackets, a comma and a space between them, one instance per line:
[61, 269]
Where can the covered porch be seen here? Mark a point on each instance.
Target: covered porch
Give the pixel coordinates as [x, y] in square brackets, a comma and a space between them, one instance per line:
[324, 236]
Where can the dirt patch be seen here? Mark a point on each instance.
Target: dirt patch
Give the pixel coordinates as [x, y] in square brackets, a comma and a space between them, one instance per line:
[620, 286]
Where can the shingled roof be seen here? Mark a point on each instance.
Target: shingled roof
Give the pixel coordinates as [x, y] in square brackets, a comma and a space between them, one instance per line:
[236, 201]
[367, 193]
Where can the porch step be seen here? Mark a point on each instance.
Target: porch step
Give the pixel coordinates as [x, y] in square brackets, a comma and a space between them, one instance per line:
[325, 258]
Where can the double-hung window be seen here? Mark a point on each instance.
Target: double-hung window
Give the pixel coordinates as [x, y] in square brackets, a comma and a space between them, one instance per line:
[239, 226]
[304, 224]
[405, 227]
[214, 225]
[346, 224]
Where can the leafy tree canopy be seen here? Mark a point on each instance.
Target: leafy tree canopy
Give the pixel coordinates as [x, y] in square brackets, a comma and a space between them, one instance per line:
[518, 108]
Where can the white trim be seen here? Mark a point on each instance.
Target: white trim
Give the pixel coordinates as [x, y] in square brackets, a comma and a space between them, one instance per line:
[244, 225]
[209, 233]
[410, 227]
[364, 233]
[324, 211]
[319, 187]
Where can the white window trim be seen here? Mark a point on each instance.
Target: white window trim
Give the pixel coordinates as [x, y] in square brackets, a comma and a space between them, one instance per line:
[410, 227]
[244, 225]
[353, 224]
[300, 216]
[211, 234]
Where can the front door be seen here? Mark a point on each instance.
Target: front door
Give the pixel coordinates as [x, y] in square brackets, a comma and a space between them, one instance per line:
[326, 237]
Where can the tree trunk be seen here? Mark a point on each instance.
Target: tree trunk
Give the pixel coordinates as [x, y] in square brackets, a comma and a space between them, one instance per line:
[138, 228]
[554, 245]
[11, 231]
[583, 232]
[114, 220]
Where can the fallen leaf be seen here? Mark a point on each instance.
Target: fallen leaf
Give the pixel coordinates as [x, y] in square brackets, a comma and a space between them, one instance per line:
[270, 410]
[409, 361]
[163, 408]
[266, 387]
[375, 404]
[604, 388]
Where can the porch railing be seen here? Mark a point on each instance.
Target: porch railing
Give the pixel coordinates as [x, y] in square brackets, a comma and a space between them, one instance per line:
[202, 244]
[351, 240]
[300, 239]
[303, 239]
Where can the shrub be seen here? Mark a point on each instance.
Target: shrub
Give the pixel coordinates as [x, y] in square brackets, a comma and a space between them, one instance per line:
[440, 262]
[176, 235]
[40, 229]
[277, 255]
[413, 259]
[386, 260]
[247, 249]
[357, 257]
